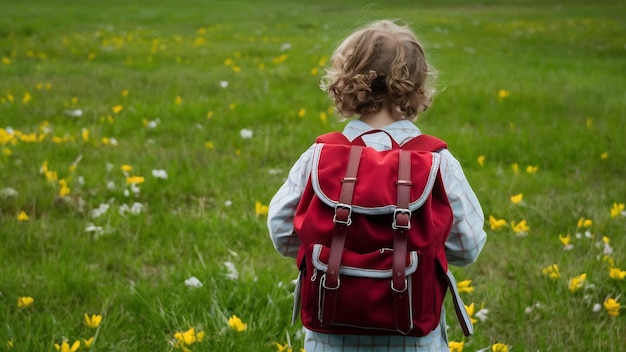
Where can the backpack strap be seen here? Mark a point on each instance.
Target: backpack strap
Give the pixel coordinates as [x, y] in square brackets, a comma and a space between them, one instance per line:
[425, 142]
[333, 138]
[401, 225]
[343, 218]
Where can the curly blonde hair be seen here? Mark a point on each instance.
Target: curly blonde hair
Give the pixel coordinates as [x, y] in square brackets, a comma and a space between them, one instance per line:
[382, 63]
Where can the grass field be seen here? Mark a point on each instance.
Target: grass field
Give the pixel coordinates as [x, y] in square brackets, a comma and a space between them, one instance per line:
[142, 141]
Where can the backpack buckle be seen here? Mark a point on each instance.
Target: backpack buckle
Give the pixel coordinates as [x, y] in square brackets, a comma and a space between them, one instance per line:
[323, 282]
[401, 219]
[343, 214]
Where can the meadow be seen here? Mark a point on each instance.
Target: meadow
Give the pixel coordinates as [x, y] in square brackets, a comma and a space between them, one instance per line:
[141, 141]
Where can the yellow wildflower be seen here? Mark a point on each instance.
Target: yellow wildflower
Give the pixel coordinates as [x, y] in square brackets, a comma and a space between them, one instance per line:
[10, 344]
[64, 190]
[22, 216]
[126, 168]
[88, 342]
[496, 224]
[261, 209]
[189, 337]
[25, 302]
[26, 98]
[178, 100]
[617, 274]
[520, 228]
[503, 94]
[552, 271]
[465, 286]
[85, 135]
[236, 324]
[582, 222]
[516, 199]
[612, 307]
[577, 282]
[499, 347]
[481, 160]
[617, 209]
[65, 347]
[93, 321]
[117, 108]
[323, 117]
[532, 169]
[301, 112]
[604, 155]
[135, 180]
[456, 346]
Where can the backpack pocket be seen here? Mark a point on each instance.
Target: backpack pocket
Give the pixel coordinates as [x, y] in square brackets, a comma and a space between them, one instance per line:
[364, 297]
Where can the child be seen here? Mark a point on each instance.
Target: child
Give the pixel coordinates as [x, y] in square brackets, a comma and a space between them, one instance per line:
[380, 74]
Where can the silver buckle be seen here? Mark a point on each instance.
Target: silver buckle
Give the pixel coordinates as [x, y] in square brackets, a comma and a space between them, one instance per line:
[323, 282]
[398, 211]
[343, 206]
[406, 285]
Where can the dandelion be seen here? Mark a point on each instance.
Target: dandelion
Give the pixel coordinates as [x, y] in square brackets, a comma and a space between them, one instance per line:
[22, 216]
[577, 282]
[93, 321]
[124, 93]
[134, 180]
[612, 307]
[604, 155]
[616, 209]
[261, 209]
[236, 324]
[481, 160]
[178, 100]
[65, 347]
[551, 271]
[497, 224]
[117, 108]
[480, 314]
[456, 346]
[583, 223]
[6, 61]
[617, 274]
[465, 286]
[209, 145]
[301, 112]
[25, 302]
[565, 241]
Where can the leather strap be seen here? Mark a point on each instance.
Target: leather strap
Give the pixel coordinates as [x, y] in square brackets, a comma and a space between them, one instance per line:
[343, 212]
[401, 226]
[459, 306]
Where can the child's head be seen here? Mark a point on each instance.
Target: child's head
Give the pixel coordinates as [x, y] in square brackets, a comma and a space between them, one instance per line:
[382, 63]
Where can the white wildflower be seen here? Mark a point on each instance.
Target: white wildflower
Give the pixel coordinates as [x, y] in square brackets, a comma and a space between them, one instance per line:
[231, 271]
[193, 282]
[100, 210]
[110, 185]
[224, 84]
[74, 113]
[8, 192]
[285, 47]
[162, 174]
[134, 209]
[597, 307]
[245, 133]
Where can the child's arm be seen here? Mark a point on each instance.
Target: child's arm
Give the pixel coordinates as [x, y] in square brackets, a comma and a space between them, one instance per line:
[283, 206]
[467, 236]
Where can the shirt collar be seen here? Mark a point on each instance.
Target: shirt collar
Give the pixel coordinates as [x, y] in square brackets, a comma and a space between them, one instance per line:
[400, 130]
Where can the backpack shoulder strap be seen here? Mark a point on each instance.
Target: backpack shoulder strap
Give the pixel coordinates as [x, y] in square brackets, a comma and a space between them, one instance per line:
[425, 142]
[333, 138]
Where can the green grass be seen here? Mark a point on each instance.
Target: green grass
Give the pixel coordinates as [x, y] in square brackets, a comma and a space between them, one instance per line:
[563, 65]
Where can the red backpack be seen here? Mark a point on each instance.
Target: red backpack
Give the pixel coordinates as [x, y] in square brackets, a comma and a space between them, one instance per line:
[373, 225]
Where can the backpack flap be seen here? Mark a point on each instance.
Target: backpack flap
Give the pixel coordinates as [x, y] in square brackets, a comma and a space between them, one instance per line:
[377, 170]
